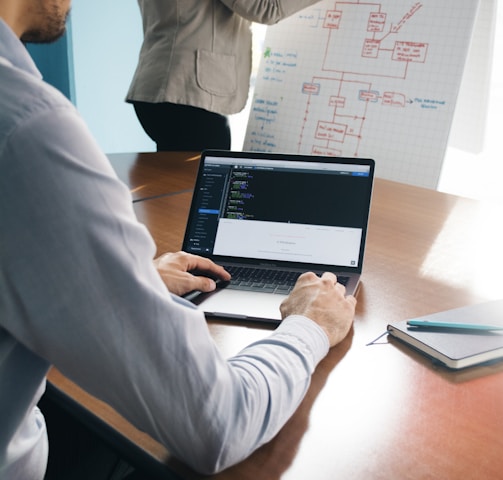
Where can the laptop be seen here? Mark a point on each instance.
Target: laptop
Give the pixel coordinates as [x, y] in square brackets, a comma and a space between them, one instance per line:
[269, 217]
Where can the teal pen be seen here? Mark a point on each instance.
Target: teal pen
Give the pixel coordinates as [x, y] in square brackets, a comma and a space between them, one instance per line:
[452, 325]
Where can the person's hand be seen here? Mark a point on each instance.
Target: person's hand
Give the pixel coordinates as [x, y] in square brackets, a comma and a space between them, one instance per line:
[322, 300]
[175, 269]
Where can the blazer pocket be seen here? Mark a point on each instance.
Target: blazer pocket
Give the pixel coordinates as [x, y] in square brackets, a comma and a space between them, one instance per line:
[216, 72]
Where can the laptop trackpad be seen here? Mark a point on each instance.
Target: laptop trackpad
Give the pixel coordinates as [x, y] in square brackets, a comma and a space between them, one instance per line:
[241, 304]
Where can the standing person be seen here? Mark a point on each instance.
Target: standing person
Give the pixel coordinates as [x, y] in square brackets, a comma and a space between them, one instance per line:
[79, 289]
[195, 65]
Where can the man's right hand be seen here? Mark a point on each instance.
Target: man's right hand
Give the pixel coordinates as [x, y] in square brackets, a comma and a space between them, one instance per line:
[323, 300]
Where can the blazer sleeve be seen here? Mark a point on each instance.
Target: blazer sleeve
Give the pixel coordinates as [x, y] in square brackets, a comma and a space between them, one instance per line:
[267, 12]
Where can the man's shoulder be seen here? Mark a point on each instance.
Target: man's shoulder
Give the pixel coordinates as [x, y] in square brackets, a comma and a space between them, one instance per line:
[24, 96]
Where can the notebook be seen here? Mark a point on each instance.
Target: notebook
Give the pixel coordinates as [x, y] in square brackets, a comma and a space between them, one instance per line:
[457, 348]
[280, 215]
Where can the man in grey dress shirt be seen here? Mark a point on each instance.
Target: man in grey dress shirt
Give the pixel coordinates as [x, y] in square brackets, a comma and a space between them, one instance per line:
[79, 289]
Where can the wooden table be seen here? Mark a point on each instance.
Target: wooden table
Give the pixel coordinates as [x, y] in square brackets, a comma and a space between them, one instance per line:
[148, 176]
[379, 411]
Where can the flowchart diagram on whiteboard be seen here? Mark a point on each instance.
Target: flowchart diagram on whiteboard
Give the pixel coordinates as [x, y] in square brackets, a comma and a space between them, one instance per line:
[364, 79]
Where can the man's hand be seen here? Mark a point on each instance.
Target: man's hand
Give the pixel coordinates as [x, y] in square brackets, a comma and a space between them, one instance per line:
[322, 300]
[175, 269]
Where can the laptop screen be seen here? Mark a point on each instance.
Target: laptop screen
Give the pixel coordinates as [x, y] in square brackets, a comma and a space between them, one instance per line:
[273, 207]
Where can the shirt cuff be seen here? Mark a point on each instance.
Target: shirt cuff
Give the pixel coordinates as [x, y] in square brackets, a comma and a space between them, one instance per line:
[311, 339]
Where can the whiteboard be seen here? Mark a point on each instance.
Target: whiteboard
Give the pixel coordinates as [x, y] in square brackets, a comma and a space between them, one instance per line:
[353, 79]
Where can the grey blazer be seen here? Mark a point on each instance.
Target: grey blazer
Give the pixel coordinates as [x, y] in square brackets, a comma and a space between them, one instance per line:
[198, 52]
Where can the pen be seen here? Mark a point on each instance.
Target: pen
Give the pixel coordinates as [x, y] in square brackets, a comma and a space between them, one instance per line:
[452, 325]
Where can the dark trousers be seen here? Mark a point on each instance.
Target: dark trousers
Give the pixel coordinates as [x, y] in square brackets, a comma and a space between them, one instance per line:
[77, 453]
[183, 128]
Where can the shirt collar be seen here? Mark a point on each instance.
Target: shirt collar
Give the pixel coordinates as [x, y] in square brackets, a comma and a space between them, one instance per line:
[14, 52]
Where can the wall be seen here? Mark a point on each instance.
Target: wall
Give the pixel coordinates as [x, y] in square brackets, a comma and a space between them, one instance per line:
[106, 37]
[477, 172]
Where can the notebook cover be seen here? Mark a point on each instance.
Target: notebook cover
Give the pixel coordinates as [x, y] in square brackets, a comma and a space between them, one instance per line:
[457, 349]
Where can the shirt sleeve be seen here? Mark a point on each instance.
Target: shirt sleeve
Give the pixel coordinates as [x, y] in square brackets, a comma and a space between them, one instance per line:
[267, 12]
[80, 290]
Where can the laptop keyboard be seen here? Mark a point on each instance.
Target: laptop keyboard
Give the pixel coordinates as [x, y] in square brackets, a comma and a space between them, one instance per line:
[263, 280]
